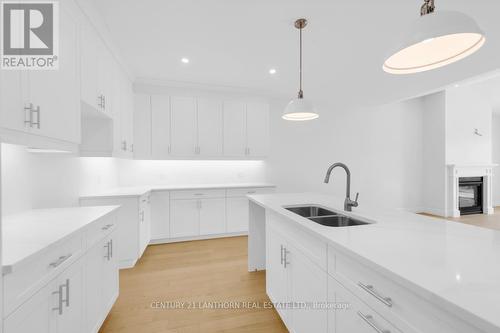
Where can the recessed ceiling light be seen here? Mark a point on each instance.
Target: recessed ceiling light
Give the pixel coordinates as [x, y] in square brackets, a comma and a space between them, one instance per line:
[272, 71]
[185, 60]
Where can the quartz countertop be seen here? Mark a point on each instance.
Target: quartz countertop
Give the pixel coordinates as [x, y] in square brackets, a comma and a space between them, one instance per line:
[453, 265]
[134, 191]
[27, 233]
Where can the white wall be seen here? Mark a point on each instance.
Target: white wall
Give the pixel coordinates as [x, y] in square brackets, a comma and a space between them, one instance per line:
[495, 145]
[466, 110]
[434, 180]
[50, 180]
[138, 172]
[381, 145]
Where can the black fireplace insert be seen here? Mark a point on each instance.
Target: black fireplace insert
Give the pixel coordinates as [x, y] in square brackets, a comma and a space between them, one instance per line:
[470, 195]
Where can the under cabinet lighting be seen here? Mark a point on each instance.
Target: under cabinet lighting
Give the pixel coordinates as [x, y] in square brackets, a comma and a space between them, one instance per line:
[47, 151]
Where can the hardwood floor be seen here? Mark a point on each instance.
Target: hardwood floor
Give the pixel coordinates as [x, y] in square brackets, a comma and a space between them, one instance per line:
[198, 271]
[480, 220]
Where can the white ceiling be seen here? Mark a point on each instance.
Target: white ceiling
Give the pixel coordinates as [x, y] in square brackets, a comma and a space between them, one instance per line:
[234, 43]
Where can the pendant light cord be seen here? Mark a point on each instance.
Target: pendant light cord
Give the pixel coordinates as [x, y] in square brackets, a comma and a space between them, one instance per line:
[301, 94]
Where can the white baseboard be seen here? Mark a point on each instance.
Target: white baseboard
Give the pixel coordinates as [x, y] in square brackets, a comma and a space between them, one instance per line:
[192, 238]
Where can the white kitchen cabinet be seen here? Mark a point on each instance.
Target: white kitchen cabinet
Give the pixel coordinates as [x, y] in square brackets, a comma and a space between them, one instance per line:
[235, 141]
[160, 215]
[35, 315]
[237, 214]
[276, 273]
[210, 132]
[212, 216]
[144, 222]
[69, 302]
[123, 116]
[257, 128]
[90, 48]
[132, 232]
[12, 112]
[160, 126]
[184, 218]
[183, 127]
[142, 127]
[292, 277]
[357, 317]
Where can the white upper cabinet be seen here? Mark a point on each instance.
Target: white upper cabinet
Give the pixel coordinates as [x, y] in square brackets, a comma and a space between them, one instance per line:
[142, 127]
[183, 126]
[90, 67]
[235, 142]
[257, 129]
[160, 126]
[210, 133]
[46, 102]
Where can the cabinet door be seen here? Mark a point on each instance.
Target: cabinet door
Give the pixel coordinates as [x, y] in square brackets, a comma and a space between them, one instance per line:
[210, 122]
[89, 64]
[237, 214]
[308, 283]
[160, 215]
[276, 274]
[109, 274]
[126, 116]
[183, 126]
[184, 218]
[72, 317]
[160, 126]
[35, 315]
[357, 317]
[145, 223]
[234, 129]
[257, 129]
[212, 216]
[94, 285]
[57, 93]
[142, 127]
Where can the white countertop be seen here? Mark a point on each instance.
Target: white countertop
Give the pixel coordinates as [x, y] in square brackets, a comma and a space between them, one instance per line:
[453, 265]
[30, 232]
[140, 190]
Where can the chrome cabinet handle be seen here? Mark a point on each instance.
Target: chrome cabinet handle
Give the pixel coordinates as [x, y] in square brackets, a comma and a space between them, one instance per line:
[108, 253]
[104, 102]
[124, 145]
[281, 254]
[142, 216]
[111, 247]
[285, 255]
[38, 122]
[60, 260]
[198, 194]
[66, 285]
[28, 122]
[369, 320]
[107, 226]
[371, 290]
[59, 292]
[251, 192]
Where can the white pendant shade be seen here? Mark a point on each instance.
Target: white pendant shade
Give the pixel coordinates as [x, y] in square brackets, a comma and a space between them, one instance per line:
[299, 110]
[435, 40]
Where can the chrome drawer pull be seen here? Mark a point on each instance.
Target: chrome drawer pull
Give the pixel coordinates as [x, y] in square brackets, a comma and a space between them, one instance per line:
[251, 192]
[369, 320]
[198, 194]
[282, 254]
[66, 285]
[59, 308]
[369, 289]
[285, 257]
[60, 261]
[107, 226]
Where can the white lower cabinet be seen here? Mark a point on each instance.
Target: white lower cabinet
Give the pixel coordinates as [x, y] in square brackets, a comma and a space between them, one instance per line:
[296, 284]
[237, 214]
[356, 316]
[184, 218]
[160, 215]
[212, 216]
[78, 295]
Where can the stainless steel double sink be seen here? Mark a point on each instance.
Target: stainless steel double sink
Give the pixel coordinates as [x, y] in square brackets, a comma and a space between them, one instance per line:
[325, 217]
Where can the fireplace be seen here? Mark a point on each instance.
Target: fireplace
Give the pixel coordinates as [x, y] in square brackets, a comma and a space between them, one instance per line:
[470, 195]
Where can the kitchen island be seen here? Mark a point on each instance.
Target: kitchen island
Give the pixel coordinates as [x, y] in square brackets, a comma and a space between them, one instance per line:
[401, 272]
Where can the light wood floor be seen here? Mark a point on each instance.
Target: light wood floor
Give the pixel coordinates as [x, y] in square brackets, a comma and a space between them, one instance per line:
[199, 271]
[480, 220]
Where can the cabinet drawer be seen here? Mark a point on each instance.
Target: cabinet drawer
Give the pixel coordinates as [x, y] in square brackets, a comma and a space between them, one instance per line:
[241, 192]
[35, 272]
[197, 194]
[100, 229]
[312, 247]
[401, 306]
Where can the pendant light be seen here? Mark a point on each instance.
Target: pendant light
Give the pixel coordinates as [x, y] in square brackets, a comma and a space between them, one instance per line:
[435, 40]
[300, 109]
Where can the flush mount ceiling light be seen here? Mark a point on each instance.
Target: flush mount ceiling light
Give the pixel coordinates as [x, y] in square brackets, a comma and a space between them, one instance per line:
[435, 40]
[300, 109]
[272, 71]
[185, 60]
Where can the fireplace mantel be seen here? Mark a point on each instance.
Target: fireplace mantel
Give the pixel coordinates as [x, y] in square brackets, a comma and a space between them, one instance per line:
[455, 171]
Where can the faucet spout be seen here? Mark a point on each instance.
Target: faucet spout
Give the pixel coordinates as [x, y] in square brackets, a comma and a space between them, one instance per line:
[348, 203]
